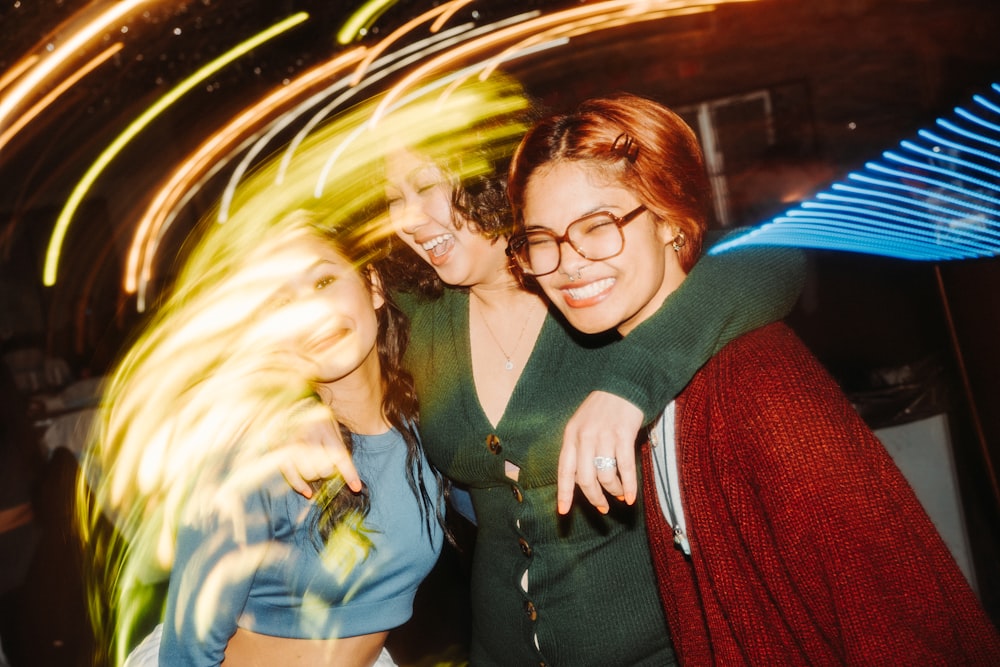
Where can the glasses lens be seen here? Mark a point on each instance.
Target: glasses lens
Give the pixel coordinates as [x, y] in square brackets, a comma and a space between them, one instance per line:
[597, 236]
[539, 253]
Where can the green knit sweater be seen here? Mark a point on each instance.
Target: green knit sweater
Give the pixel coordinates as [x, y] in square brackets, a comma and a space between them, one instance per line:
[591, 593]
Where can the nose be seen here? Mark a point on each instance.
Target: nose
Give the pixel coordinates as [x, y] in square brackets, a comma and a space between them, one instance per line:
[407, 217]
[571, 262]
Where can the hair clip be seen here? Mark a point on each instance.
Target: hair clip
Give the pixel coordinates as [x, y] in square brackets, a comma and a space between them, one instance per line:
[626, 147]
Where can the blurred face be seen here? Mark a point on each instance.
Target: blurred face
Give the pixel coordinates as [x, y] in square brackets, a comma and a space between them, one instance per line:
[420, 210]
[328, 310]
[615, 293]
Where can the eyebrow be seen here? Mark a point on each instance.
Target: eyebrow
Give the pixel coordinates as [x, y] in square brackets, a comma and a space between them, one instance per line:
[602, 208]
[320, 262]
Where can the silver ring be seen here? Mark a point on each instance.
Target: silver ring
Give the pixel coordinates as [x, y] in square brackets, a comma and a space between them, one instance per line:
[605, 462]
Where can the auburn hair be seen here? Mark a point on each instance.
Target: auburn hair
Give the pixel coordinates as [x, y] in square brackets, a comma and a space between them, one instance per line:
[634, 141]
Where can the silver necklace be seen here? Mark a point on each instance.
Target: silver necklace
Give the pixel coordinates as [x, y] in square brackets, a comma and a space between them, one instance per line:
[509, 364]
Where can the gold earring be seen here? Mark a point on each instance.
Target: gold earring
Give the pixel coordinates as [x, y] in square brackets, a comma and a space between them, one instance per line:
[679, 242]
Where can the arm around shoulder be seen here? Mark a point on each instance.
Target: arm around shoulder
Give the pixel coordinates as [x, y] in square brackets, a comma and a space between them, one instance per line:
[722, 298]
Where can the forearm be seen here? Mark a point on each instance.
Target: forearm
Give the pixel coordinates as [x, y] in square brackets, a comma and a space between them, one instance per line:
[722, 298]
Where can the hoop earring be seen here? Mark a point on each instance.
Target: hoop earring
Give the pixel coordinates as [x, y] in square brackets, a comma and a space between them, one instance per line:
[679, 241]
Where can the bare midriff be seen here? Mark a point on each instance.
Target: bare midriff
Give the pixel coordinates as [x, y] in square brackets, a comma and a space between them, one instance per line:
[249, 649]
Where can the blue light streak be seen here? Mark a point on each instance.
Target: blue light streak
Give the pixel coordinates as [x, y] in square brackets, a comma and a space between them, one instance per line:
[934, 198]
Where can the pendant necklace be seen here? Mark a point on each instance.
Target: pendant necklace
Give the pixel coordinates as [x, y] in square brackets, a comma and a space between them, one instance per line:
[509, 364]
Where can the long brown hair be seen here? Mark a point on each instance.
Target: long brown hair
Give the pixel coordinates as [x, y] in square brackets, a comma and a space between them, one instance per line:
[399, 397]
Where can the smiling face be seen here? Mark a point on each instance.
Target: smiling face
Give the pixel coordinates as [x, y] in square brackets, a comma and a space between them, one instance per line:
[422, 215]
[615, 293]
[328, 310]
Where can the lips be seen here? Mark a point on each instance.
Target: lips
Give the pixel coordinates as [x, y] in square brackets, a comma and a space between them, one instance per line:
[581, 296]
[438, 247]
[331, 340]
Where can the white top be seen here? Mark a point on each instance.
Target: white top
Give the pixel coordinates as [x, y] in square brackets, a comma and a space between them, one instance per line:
[663, 438]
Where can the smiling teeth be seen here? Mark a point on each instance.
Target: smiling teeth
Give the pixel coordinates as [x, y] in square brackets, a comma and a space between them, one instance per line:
[587, 291]
[436, 241]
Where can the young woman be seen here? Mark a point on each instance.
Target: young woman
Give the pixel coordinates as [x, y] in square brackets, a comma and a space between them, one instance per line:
[272, 326]
[781, 530]
[499, 377]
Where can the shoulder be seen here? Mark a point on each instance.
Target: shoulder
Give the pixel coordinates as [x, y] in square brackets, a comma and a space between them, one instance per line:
[770, 348]
[764, 364]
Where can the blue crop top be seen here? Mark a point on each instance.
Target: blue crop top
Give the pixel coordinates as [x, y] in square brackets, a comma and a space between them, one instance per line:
[269, 576]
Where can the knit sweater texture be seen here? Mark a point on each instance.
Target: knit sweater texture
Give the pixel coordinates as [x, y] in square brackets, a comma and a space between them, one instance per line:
[808, 546]
[575, 590]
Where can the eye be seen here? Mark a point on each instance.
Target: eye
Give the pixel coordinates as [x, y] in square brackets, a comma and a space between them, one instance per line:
[325, 281]
[596, 223]
[538, 238]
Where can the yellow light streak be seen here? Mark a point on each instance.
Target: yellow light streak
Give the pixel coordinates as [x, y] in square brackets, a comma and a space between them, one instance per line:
[151, 224]
[76, 197]
[64, 85]
[386, 66]
[362, 19]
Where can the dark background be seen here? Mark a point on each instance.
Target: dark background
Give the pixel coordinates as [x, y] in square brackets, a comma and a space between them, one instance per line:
[798, 93]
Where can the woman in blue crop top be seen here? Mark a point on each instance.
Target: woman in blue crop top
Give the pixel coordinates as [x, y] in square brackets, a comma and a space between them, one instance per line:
[270, 328]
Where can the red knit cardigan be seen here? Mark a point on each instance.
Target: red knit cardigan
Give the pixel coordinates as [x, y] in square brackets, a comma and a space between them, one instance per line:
[808, 546]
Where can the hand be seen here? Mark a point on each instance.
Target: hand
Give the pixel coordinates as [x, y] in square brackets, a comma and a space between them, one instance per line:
[604, 425]
[317, 452]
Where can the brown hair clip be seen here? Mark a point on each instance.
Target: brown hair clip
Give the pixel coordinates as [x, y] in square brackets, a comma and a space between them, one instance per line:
[626, 147]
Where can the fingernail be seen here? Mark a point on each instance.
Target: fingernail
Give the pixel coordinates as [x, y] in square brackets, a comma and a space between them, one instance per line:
[621, 499]
[604, 510]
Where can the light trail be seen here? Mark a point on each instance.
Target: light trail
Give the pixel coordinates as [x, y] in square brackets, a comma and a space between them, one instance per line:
[17, 70]
[486, 46]
[41, 68]
[139, 124]
[358, 24]
[161, 208]
[933, 206]
[65, 84]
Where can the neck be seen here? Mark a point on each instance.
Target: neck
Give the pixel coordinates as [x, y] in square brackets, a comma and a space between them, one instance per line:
[356, 399]
[503, 293]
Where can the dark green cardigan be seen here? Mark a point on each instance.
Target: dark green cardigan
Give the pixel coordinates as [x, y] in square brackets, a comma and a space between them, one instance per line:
[592, 594]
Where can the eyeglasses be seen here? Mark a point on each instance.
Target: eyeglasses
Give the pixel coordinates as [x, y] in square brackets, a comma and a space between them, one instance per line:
[595, 237]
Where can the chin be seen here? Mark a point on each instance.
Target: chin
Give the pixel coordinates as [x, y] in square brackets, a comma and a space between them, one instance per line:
[590, 325]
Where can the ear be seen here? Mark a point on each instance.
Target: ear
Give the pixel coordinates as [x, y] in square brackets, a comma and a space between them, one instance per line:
[375, 285]
[665, 232]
